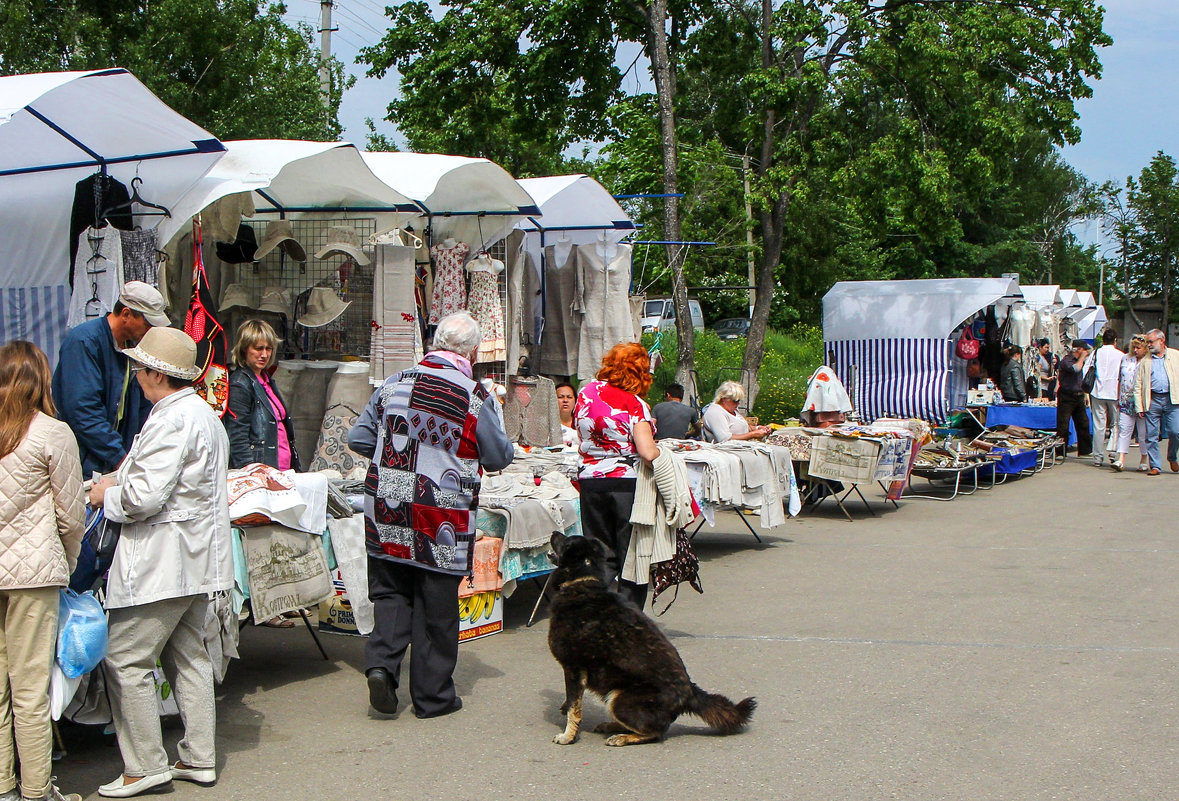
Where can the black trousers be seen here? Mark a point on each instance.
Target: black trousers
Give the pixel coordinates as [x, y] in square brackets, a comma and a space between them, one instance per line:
[606, 505]
[1071, 406]
[413, 605]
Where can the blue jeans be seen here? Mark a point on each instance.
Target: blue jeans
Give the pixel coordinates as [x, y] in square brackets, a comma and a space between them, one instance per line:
[1162, 420]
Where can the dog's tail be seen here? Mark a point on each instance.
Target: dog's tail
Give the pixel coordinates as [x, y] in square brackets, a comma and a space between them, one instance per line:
[719, 712]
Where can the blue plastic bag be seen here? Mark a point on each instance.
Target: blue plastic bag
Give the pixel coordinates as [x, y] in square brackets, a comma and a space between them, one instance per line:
[81, 633]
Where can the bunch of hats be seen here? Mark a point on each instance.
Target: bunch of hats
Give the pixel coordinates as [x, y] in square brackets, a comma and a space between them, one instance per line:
[280, 234]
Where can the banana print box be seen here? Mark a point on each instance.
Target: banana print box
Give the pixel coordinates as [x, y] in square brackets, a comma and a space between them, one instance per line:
[481, 615]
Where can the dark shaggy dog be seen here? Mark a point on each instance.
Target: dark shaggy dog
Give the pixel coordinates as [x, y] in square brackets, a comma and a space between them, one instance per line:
[611, 648]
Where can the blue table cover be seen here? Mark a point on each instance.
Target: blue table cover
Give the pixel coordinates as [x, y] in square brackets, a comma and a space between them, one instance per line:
[1040, 418]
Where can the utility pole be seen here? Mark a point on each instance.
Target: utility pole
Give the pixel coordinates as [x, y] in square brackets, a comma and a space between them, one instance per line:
[750, 264]
[325, 52]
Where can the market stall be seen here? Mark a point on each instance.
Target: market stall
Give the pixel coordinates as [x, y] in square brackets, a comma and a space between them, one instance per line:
[890, 341]
[76, 148]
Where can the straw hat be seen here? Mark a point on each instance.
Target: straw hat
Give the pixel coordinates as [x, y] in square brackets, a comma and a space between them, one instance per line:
[237, 296]
[276, 300]
[168, 351]
[346, 241]
[279, 232]
[323, 306]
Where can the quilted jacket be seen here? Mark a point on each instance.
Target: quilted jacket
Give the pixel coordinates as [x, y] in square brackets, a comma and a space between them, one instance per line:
[41, 508]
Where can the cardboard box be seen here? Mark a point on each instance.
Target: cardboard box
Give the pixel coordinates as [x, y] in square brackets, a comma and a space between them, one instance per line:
[335, 614]
[481, 615]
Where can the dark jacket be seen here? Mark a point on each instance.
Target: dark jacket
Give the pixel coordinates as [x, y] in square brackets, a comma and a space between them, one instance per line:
[250, 423]
[87, 385]
[1011, 382]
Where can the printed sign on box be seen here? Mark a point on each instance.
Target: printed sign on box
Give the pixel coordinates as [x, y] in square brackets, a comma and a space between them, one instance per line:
[481, 615]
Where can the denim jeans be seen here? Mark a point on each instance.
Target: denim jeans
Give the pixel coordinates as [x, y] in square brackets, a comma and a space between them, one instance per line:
[1162, 420]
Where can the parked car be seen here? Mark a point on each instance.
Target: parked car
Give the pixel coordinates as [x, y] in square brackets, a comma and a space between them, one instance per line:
[659, 314]
[731, 328]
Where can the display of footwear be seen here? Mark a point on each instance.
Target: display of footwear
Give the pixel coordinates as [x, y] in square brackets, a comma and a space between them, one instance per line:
[120, 789]
[381, 694]
[455, 707]
[205, 776]
[1154, 471]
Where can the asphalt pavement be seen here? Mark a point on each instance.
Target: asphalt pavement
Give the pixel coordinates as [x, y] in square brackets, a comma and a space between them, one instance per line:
[1020, 643]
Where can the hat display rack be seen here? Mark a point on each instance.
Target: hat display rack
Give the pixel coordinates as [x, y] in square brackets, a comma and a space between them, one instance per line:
[330, 247]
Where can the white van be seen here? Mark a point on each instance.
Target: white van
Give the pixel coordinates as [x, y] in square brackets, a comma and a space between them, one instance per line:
[659, 314]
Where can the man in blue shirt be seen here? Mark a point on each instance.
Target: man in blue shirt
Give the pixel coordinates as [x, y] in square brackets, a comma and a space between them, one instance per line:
[92, 386]
[1156, 396]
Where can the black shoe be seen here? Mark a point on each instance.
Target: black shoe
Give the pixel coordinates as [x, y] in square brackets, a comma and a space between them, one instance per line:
[381, 694]
[455, 707]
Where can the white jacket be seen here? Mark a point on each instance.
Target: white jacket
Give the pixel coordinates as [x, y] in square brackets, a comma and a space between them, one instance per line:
[171, 497]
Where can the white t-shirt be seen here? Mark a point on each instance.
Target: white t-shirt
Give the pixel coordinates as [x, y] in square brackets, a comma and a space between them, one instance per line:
[720, 426]
[1109, 367]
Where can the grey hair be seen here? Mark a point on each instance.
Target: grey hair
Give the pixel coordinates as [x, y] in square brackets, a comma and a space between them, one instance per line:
[457, 333]
[729, 390]
[1157, 332]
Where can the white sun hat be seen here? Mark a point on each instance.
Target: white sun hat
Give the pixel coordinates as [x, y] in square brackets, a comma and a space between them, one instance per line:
[345, 241]
[167, 350]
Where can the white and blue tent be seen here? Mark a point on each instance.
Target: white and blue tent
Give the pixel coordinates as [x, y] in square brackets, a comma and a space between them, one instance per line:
[890, 341]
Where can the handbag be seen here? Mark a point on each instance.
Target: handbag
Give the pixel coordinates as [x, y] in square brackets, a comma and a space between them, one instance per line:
[99, 541]
[209, 335]
[684, 566]
[967, 347]
[1089, 380]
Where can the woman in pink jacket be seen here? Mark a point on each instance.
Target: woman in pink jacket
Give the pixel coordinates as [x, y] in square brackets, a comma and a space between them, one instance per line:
[41, 516]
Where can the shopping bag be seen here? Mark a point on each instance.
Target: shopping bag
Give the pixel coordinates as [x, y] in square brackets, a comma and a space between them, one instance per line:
[967, 347]
[97, 552]
[81, 633]
[684, 566]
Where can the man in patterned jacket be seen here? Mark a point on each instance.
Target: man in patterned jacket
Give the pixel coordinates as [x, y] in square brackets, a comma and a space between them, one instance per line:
[429, 431]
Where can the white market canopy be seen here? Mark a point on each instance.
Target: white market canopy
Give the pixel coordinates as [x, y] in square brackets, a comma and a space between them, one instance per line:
[1085, 304]
[294, 177]
[918, 309]
[471, 199]
[572, 207]
[1091, 323]
[1042, 296]
[58, 128]
[1069, 300]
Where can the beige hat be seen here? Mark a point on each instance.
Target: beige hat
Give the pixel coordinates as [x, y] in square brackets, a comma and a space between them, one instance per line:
[346, 241]
[237, 296]
[145, 299]
[323, 306]
[167, 350]
[276, 300]
[279, 232]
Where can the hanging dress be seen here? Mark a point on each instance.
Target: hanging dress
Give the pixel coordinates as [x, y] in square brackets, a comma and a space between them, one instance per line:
[450, 291]
[484, 305]
[98, 274]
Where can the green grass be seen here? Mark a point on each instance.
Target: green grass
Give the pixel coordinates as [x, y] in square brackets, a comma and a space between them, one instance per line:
[790, 359]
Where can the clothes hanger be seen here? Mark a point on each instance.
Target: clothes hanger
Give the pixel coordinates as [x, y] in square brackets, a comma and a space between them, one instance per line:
[136, 182]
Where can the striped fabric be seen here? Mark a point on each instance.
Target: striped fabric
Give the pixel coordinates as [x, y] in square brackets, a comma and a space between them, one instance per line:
[895, 377]
[37, 314]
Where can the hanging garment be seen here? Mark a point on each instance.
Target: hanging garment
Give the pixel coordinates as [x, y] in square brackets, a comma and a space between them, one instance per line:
[484, 305]
[99, 272]
[93, 195]
[557, 352]
[396, 337]
[201, 323]
[516, 337]
[531, 415]
[603, 284]
[223, 217]
[140, 256]
[450, 288]
[347, 394]
[1022, 320]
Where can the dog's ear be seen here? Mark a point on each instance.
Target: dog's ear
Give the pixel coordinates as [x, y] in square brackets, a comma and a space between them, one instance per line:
[557, 542]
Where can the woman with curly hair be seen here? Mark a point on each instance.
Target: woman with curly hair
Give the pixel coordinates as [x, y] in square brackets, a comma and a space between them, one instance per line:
[616, 428]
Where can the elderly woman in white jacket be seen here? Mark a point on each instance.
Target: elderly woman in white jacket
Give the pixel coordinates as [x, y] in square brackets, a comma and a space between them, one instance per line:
[170, 496]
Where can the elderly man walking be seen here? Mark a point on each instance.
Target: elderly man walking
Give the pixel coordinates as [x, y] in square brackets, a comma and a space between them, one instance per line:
[1070, 399]
[1156, 395]
[429, 431]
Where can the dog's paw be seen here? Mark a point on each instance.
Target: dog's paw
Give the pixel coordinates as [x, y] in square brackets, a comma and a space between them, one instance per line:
[565, 739]
[620, 739]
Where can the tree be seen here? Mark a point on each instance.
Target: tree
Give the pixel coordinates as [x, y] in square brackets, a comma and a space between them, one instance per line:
[232, 66]
[1151, 231]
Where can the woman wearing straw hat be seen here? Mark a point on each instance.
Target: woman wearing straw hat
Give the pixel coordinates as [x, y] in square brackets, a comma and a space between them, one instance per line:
[174, 551]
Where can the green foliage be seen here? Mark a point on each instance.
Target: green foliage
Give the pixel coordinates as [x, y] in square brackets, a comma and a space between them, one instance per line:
[789, 361]
[232, 66]
[1145, 222]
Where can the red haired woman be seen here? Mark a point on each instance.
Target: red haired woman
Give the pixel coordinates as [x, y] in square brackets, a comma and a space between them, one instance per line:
[616, 428]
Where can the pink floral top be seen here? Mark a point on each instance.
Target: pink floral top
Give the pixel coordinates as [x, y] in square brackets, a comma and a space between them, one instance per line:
[604, 417]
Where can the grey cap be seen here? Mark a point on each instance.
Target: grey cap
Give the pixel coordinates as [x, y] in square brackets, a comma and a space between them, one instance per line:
[145, 299]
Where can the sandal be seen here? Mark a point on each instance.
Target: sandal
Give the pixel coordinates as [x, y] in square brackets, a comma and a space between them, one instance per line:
[278, 623]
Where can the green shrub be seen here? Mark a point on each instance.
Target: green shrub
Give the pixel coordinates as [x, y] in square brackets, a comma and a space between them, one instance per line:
[789, 361]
